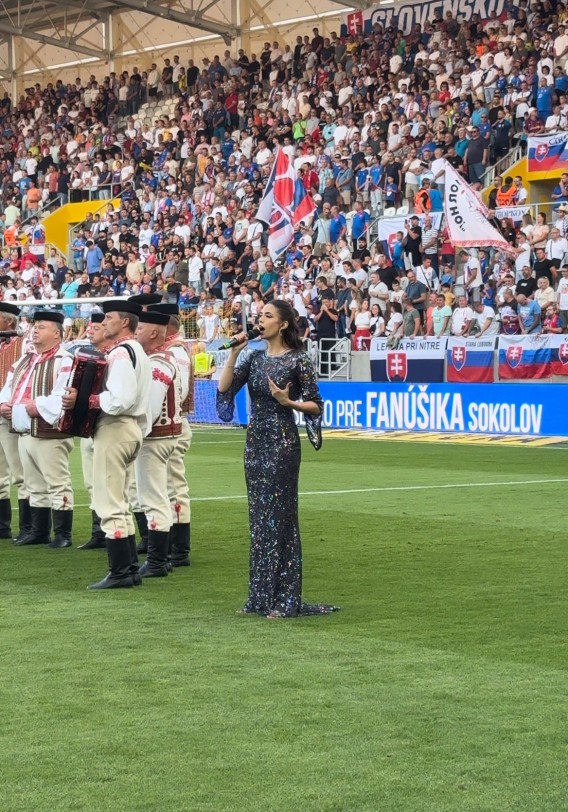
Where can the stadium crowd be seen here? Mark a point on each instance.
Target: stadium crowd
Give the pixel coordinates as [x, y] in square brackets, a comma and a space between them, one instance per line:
[368, 121]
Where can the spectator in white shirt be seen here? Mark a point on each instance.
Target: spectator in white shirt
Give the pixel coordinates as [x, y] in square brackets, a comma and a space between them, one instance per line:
[462, 317]
[486, 320]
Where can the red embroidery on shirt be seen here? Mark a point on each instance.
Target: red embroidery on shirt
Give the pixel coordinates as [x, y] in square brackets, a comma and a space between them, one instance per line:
[158, 375]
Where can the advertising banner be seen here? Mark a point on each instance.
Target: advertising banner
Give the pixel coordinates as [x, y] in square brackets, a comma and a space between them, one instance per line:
[524, 409]
[515, 213]
[406, 15]
[205, 405]
[417, 360]
[470, 360]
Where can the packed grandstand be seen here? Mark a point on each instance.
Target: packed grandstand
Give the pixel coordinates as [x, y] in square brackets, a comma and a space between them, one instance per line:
[175, 160]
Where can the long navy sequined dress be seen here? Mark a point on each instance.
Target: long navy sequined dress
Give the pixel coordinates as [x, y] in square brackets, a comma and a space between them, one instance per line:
[272, 467]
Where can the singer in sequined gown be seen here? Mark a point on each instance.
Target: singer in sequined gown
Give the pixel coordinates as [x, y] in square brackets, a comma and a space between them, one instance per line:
[277, 379]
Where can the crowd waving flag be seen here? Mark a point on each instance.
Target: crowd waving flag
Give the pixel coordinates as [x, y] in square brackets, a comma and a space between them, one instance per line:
[284, 205]
[547, 152]
[466, 216]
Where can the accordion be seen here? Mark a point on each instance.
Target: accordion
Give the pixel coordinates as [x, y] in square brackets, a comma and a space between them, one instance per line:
[87, 375]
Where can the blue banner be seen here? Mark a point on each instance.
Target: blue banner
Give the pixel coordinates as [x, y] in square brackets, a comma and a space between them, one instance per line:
[525, 409]
[205, 409]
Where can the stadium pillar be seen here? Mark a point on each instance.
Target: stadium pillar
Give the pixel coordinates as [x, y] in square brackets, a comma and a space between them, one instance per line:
[13, 67]
[115, 42]
[239, 12]
[108, 40]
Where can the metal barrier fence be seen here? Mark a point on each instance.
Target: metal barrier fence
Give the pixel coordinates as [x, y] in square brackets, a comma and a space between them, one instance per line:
[77, 313]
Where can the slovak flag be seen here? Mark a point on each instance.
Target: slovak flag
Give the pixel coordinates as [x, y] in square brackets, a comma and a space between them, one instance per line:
[470, 360]
[559, 354]
[285, 203]
[523, 357]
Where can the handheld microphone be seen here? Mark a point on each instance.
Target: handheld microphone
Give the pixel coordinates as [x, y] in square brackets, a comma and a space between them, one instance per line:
[234, 342]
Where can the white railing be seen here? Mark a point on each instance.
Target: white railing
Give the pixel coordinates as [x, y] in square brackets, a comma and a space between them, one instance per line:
[334, 358]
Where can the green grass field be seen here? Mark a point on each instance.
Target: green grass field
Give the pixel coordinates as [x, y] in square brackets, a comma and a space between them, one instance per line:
[439, 687]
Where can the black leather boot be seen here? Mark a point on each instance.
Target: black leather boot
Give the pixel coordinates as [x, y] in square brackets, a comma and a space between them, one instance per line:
[134, 566]
[25, 523]
[180, 535]
[119, 576]
[97, 540]
[142, 524]
[41, 527]
[169, 565]
[5, 519]
[156, 564]
[62, 526]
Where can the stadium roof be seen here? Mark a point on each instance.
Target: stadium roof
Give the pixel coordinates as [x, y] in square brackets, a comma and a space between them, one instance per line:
[65, 23]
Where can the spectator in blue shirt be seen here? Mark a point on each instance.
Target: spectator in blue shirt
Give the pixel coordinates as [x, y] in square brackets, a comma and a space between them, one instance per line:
[560, 81]
[69, 290]
[544, 98]
[78, 248]
[478, 113]
[437, 204]
[485, 127]
[560, 192]
[462, 142]
[391, 191]
[119, 285]
[529, 314]
[337, 226]
[93, 258]
[360, 222]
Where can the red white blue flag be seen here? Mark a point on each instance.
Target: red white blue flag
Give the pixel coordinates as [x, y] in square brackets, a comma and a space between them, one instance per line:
[284, 205]
[470, 360]
[523, 357]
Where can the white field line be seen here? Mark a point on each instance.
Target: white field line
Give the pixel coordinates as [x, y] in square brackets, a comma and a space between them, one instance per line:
[391, 489]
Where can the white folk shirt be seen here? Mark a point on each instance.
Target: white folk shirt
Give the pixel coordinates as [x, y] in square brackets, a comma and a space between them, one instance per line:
[49, 406]
[127, 388]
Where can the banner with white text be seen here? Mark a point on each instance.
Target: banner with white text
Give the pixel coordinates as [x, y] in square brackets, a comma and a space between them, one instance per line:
[524, 409]
[515, 213]
[414, 361]
[406, 15]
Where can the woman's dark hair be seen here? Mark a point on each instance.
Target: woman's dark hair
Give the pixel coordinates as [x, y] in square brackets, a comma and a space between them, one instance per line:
[291, 335]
